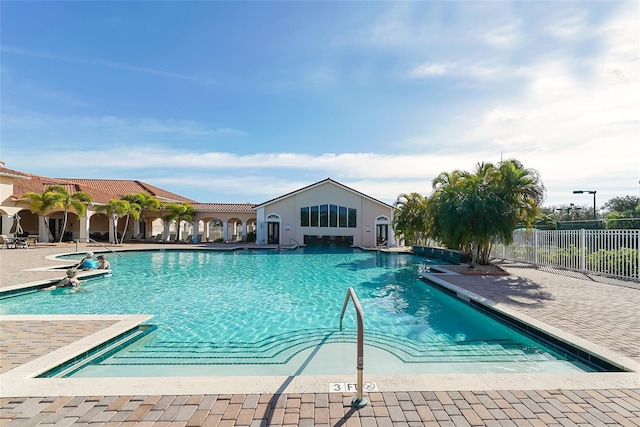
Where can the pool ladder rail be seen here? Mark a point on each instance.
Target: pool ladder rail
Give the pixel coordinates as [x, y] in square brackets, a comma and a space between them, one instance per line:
[357, 401]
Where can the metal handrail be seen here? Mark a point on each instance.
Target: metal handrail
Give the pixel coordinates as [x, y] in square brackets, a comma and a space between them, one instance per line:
[291, 239]
[100, 244]
[358, 401]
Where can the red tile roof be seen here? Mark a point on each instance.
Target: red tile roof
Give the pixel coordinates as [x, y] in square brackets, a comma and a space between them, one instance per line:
[10, 172]
[100, 190]
[223, 207]
[120, 187]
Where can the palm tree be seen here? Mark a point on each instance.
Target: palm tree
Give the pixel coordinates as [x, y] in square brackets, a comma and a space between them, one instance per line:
[179, 212]
[116, 209]
[144, 202]
[472, 211]
[409, 218]
[55, 196]
[41, 204]
[77, 201]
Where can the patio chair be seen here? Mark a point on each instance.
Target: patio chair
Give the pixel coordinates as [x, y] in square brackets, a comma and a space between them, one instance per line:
[137, 237]
[32, 241]
[4, 243]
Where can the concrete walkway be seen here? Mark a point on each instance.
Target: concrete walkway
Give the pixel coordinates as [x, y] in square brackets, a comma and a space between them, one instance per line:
[604, 314]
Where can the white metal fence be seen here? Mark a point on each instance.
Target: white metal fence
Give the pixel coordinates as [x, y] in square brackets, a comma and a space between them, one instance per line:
[613, 253]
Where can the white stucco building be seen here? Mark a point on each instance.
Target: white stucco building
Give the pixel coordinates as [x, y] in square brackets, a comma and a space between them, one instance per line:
[325, 213]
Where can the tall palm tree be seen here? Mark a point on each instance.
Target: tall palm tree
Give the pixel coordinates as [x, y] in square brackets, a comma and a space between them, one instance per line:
[78, 201]
[55, 196]
[179, 212]
[41, 204]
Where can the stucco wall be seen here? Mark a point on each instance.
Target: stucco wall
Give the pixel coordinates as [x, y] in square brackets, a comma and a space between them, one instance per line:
[327, 193]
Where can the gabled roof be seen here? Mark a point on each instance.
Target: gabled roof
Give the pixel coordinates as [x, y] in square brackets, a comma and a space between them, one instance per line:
[317, 184]
[223, 207]
[119, 187]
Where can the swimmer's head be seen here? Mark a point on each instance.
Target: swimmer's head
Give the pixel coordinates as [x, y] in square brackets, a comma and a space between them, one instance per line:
[72, 272]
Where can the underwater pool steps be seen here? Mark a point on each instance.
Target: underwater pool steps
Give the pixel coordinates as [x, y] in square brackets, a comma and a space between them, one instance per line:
[282, 349]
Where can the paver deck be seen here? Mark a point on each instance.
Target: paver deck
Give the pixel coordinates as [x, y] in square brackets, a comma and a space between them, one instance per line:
[605, 314]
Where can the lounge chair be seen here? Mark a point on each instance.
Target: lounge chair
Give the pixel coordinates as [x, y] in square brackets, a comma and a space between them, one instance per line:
[188, 239]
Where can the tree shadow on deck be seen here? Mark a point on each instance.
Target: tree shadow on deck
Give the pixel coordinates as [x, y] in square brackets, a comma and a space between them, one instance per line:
[509, 290]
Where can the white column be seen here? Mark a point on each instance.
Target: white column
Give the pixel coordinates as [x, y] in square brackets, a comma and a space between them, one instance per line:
[165, 229]
[43, 236]
[244, 231]
[196, 228]
[225, 228]
[206, 231]
[84, 229]
[136, 228]
[113, 223]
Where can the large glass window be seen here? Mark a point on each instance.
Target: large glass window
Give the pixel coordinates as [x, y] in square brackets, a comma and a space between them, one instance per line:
[328, 216]
[342, 217]
[324, 215]
[352, 218]
[333, 216]
[304, 217]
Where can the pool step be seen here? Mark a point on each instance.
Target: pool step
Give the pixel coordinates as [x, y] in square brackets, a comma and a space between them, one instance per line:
[280, 349]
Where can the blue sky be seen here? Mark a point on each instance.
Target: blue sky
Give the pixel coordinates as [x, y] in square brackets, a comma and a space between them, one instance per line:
[245, 101]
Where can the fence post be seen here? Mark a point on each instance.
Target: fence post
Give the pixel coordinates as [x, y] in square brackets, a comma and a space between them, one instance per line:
[535, 246]
[583, 250]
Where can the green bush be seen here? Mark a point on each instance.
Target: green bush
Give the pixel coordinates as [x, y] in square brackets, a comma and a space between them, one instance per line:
[621, 262]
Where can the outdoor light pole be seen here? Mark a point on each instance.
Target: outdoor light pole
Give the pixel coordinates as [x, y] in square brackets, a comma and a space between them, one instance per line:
[595, 217]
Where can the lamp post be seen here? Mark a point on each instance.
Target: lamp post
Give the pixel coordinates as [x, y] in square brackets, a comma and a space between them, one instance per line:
[595, 217]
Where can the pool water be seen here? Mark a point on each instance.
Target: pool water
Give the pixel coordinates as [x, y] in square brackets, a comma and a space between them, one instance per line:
[265, 312]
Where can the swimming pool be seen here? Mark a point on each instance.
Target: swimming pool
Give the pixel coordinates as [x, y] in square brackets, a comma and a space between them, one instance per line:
[261, 312]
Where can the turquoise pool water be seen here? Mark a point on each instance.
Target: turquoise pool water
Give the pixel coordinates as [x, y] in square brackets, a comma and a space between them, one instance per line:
[262, 312]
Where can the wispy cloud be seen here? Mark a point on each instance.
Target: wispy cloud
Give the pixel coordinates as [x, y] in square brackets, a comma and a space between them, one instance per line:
[100, 63]
[106, 128]
[466, 68]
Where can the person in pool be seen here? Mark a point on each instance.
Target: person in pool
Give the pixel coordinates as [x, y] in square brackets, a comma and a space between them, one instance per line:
[103, 264]
[87, 262]
[71, 281]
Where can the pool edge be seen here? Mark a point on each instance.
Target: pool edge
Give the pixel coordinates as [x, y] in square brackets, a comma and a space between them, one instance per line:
[620, 361]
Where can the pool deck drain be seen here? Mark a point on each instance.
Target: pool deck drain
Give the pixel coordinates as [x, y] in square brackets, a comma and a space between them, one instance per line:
[603, 314]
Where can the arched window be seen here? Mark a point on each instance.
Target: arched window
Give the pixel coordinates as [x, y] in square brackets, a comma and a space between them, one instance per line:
[273, 217]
